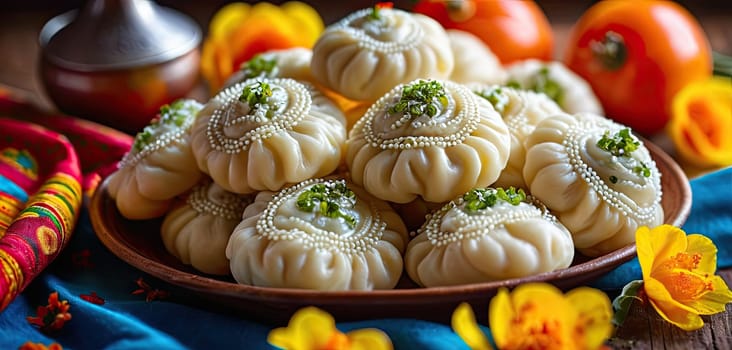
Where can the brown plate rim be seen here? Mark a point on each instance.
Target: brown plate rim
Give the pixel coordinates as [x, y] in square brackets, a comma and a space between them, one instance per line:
[210, 285]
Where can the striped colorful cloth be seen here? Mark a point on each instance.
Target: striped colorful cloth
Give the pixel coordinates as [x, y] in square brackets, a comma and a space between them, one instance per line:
[41, 196]
[43, 183]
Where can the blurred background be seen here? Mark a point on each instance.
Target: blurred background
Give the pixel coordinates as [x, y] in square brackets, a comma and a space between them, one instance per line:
[21, 21]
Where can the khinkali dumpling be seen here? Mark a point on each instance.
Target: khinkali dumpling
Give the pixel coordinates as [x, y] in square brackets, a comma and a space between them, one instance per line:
[568, 89]
[488, 234]
[429, 138]
[197, 230]
[367, 53]
[474, 61]
[291, 63]
[263, 134]
[521, 110]
[159, 166]
[596, 177]
[323, 234]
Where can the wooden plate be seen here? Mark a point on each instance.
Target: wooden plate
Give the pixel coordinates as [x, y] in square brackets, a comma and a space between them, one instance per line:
[139, 244]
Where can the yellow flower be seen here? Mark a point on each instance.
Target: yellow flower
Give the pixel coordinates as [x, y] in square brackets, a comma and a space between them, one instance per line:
[238, 31]
[313, 329]
[463, 323]
[539, 316]
[678, 275]
[701, 123]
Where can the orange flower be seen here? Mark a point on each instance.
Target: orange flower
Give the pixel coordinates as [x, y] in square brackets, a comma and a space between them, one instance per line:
[539, 316]
[313, 329]
[701, 123]
[29, 345]
[238, 31]
[53, 316]
[678, 275]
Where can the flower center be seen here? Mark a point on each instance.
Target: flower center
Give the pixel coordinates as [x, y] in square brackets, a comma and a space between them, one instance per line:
[337, 341]
[534, 331]
[680, 280]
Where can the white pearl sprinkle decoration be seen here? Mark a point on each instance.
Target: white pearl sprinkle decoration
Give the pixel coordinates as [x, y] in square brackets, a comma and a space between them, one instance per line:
[575, 138]
[453, 124]
[363, 237]
[472, 225]
[362, 30]
[293, 100]
[164, 133]
[227, 205]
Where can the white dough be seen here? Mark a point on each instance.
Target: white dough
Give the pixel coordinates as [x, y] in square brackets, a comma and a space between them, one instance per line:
[159, 166]
[459, 246]
[293, 63]
[521, 110]
[197, 230]
[474, 61]
[574, 94]
[277, 244]
[244, 150]
[598, 196]
[363, 58]
[398, 157]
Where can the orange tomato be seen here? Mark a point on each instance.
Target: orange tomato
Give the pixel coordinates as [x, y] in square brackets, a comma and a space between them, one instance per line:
[637, 55]
[512, 29]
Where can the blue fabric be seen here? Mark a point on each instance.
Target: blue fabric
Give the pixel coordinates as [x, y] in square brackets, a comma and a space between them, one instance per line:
[126, 321]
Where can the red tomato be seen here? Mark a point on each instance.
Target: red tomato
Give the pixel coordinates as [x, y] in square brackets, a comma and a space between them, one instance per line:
[637, 55]
[512, 29]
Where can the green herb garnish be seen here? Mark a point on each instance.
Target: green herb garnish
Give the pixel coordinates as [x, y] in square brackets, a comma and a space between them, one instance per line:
[622, 144]
[642, 170]
[542, 83]
[496, 97]
[256, 96]
[176, 114]
[259, 66]
[421, 98]
[481, 198]
[329, 200]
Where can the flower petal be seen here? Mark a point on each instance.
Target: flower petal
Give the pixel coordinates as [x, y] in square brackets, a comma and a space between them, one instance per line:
[702, 245]
[644, 250]
[227, 18]
[306, 21]
[595, 314]
[464, 324]
[715, 301]
[680, 317]
[655, 290]
[664, 242]
[369, 339]
[500, 314]
[309, 328]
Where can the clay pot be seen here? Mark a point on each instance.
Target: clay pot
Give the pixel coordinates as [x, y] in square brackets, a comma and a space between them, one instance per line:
[117, 61]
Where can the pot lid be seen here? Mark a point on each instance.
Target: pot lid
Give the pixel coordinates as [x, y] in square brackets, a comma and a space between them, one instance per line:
[118, 34]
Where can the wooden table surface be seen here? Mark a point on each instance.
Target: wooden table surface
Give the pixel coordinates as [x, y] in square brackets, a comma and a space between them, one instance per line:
[643, 329]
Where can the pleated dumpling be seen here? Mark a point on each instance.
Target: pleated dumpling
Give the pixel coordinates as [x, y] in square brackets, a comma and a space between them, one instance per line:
[474, 61]
[367, 53]
[198, 228]
[521, 110]
[487, 234]
[565, 87]
[293, 63]
[596, 177]
[159, 166]
[263, 134]
[322, 234]
[429, 138]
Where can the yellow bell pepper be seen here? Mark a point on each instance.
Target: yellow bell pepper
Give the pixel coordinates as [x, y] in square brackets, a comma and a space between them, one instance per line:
[238, 31]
